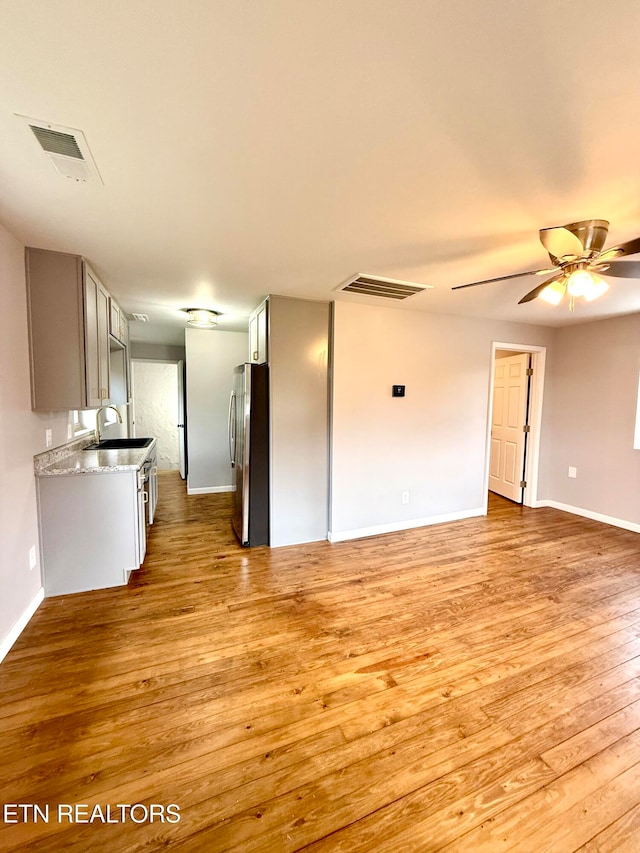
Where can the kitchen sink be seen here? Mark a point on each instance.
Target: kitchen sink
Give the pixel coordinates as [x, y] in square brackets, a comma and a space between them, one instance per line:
[119, 444]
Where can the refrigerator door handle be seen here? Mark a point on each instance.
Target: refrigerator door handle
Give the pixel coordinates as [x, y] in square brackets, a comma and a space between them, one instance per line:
[231, 429]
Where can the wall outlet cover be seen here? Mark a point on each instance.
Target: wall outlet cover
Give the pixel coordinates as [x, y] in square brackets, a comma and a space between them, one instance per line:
[48, 437]
[32, 557]
[573, 472]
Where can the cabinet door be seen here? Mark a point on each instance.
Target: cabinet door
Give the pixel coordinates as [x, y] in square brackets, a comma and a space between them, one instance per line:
[103, 342]
[153, 491]
[253, 338]
[56, 300]
[96, 316]
[258, 331]
[142, 523]
[114, 321]
[263, 355]
[91, 341]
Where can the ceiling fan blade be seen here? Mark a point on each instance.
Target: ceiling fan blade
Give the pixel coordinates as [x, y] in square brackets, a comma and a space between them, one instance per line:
[560, 243]
[622, 269]
[533, 294]
[501, 278]
[630, 248]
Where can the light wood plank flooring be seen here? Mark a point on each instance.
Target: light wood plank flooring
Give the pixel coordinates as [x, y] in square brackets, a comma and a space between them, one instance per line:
[472, 686]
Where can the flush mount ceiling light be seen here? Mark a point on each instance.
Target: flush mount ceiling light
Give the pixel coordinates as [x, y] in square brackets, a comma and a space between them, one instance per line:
[202, 318]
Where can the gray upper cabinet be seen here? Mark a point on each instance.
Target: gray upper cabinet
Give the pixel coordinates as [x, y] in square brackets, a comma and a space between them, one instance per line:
[258, 334]
[69, 315]
[118, 322]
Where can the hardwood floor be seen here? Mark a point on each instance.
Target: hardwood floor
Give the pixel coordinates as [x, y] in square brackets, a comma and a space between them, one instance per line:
[472, 686]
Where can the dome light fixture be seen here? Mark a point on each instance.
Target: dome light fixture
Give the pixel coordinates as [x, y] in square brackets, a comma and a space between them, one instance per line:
[202, 318]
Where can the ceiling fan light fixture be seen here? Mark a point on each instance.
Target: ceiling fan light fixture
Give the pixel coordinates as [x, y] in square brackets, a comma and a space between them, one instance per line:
[584, 283]
[553, 293]
[598, 287]
[579, 282]
[202, 318]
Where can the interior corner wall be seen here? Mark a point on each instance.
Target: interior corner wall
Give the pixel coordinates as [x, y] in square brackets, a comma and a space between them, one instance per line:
[156, 352]
[595, 390]
[22, 435]
[210, 359]
[298, 383]
[430, 443]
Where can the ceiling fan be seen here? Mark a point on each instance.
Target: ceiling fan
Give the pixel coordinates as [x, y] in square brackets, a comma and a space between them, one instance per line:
[579, 258]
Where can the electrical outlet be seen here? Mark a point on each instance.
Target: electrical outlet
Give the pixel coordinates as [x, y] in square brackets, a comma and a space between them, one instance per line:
[405, 497]
[48, 437]
[573, 472]
[69, 431]
[33, 561]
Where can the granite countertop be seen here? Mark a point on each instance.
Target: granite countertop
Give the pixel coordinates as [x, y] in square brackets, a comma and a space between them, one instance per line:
[73, 459]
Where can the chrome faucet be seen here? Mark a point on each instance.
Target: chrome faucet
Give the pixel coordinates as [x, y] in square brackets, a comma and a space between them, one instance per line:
[103, 409]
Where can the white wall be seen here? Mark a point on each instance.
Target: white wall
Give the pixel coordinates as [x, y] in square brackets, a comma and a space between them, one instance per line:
[22, 435]
[155, 397]
[298, 364]
[210, 359]
[432, 442]
[595, 389]
[156, 352]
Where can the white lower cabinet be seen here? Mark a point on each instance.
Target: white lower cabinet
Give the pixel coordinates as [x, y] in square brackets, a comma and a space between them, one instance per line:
[142, 501]
[92, 529]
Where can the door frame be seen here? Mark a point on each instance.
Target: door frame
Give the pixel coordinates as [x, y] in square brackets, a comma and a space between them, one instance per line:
[182, 401]
[538, 363]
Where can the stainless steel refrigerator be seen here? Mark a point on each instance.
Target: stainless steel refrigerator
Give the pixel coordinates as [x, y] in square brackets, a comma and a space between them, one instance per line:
[249, 452]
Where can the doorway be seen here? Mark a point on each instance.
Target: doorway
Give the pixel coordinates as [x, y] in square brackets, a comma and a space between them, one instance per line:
[514, 422]
[158, 408]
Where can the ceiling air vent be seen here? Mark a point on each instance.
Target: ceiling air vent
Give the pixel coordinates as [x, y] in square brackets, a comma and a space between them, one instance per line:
[140, 318]
[385, 288]
[66, 148]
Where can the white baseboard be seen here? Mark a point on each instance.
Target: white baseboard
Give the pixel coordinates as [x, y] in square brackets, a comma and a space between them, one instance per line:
[297, 542]
[394, 527]
[595, 516]
[210, 490]
[21, 624]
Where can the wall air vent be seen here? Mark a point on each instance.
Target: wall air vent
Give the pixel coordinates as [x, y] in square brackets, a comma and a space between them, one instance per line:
[139, 318]
[385, 288]
[66, 148]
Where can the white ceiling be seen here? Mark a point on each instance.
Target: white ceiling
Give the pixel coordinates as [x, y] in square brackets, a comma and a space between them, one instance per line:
[250, 147]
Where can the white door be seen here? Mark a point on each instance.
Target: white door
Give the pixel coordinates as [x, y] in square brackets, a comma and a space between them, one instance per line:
[510, 390]
[181, 432]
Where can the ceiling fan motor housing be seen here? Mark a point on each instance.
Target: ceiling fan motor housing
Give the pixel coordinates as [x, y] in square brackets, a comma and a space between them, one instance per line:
[592, 233]
[577, 241]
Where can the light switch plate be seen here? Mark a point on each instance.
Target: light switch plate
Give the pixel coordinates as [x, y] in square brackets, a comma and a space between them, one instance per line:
[573, 472]
[48, 437]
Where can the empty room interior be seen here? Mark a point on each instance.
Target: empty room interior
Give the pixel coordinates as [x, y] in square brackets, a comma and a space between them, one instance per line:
[320, 426]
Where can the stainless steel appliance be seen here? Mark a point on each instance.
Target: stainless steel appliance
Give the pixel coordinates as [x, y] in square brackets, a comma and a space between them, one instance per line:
[249, 452]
